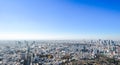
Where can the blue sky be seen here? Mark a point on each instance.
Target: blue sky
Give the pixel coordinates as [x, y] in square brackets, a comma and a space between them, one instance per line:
[59, 19]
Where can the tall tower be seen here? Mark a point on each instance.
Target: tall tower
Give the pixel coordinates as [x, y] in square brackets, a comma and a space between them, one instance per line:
[28, 54]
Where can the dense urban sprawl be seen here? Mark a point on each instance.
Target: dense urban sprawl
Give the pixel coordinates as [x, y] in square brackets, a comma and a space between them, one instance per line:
[60, 52]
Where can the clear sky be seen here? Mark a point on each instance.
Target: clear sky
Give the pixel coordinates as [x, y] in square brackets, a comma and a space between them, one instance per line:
[59, 19]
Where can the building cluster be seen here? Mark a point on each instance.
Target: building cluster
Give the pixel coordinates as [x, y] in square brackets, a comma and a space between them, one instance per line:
[55, 52]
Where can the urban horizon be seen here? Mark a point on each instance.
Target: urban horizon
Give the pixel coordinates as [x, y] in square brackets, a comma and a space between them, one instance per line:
[59, 32]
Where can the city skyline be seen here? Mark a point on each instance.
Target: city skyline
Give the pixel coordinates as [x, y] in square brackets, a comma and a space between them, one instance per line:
[59, 19]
